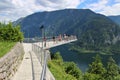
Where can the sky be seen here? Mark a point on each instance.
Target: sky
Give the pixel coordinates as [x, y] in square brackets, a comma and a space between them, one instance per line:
[11, 10]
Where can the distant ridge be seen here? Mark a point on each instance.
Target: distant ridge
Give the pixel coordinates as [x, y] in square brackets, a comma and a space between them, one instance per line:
[116, 19]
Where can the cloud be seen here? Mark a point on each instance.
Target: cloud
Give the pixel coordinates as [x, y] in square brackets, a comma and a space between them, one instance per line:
[117, 0]
[101, 4]
[111, 10]
[14, 9]
[58, 4]
[5, 5]
[106, 7]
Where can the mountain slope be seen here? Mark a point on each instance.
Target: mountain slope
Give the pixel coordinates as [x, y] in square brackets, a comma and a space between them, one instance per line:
[56, 21]
[116, 19]
[93, 30]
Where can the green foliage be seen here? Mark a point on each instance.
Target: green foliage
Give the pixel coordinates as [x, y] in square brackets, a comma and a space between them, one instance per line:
[72, 69]
[58, 71]
[112, 69]
[5, 47]
[57, 56]
[97, 66]
[117, 77]
[90, 76]
[64, 70]
[96, 71]
[8, 32]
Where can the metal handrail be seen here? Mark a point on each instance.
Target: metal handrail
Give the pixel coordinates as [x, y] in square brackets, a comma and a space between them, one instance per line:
[37, 49]
[43, 75]
[33, 40]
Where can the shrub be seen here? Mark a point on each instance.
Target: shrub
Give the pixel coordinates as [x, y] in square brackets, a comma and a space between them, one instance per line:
[8, 32]
[72, 69]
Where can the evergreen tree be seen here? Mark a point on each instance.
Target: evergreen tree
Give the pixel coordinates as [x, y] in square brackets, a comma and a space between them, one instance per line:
[72, 69]
[97, 66]
[112, 69]
[90, 76]
[96, 70]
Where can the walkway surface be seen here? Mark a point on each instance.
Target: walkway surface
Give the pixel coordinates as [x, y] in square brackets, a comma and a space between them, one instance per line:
[30, 68]
[37, 68]
[25, 69]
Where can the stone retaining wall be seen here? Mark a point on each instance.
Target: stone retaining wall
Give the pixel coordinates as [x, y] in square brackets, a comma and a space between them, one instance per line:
[10, 62]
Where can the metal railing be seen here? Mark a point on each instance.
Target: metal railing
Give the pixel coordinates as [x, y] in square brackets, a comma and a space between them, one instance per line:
[43, 75]
[42, 56]
[56, 38]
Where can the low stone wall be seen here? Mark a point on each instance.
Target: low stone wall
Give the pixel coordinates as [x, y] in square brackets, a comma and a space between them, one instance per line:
[10, 62]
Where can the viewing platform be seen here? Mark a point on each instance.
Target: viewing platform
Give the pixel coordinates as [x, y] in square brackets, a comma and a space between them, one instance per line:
[34, 64]
[56, 42]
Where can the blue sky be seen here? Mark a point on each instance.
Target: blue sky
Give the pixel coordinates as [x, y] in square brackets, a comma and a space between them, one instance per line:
[11, 10]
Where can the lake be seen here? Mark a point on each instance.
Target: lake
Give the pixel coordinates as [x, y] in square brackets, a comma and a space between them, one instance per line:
[82, 60]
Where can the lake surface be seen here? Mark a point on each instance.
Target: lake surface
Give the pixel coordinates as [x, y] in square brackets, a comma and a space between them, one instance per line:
[82, 60]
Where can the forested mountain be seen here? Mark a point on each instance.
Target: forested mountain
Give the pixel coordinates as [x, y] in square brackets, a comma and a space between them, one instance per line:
[62, 21]
[93, 30]
[115, 19]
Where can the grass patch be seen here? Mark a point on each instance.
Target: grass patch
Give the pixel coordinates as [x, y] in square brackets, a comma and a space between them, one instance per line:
[58, 71]
[5, 47]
